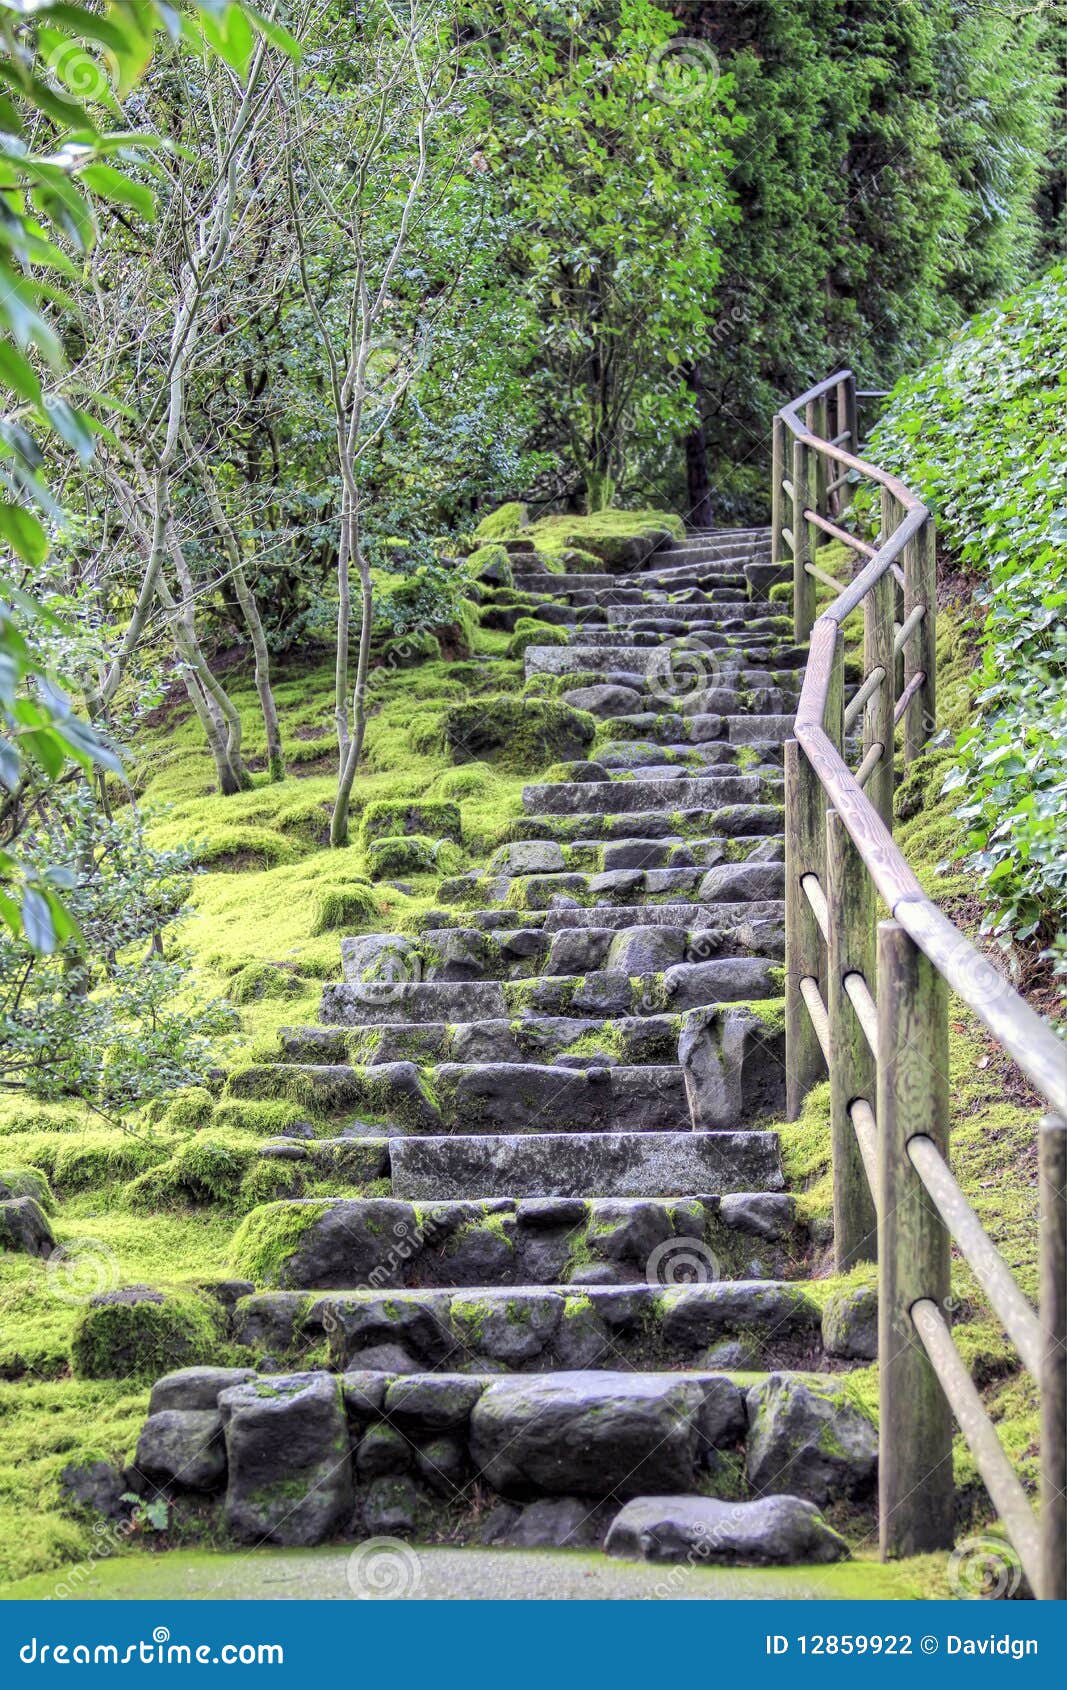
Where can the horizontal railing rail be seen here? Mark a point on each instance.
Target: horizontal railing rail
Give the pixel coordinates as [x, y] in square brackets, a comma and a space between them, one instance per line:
[867, 1003]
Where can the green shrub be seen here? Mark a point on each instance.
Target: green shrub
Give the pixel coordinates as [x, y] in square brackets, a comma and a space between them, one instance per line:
[392, 818]
[975, 435]
[337, 908]
[123, 1338]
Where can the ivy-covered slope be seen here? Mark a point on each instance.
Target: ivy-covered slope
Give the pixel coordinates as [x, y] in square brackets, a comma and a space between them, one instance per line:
[978, 435]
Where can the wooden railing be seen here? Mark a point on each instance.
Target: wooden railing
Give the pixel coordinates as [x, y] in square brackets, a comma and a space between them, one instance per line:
[867, 1002]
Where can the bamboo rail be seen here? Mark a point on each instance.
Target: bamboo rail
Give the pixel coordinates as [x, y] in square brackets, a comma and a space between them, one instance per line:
[867, 1004]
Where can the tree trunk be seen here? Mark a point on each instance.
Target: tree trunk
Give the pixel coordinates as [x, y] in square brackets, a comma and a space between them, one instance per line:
[253, 621]
[698, 487]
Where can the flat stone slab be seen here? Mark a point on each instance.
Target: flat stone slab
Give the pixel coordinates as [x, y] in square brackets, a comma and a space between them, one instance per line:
[585, 1164]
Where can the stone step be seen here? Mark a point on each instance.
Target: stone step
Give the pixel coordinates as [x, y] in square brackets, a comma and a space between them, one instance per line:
[383, 1243]
[681, 790]
[581, 1455]
[684, 986]
[584, 1164]
[660, 660]
[688, 915]
[632, 1040]
[472, 953]
[540, 1329]
[736, 822]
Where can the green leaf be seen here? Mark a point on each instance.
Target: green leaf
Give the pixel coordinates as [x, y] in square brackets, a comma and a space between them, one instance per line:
[111, 185]
[23, 533]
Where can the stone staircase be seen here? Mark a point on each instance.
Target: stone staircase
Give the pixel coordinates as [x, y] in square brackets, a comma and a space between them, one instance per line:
[579, 1315]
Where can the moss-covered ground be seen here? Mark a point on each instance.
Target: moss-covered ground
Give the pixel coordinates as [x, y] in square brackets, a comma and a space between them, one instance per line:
[156, 1201]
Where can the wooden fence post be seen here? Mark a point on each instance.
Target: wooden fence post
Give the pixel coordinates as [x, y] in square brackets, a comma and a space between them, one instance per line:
[778, 435]
[915, 1488]
[1052, 1215]
[803, 583]
[878, 711]
[850, 897]
[891, 516]
[920, 653]
[805, 836]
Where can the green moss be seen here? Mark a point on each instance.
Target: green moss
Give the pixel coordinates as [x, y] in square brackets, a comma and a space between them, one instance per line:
[391, 819]
[342, 908]
[529, 631]
[503, 523]
[269, 1237]
[141, 1340]
[27, 1182]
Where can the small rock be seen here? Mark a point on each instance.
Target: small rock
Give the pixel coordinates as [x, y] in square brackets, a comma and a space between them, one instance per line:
[382, 1450]
[811, 1437]
[561, 1522]
[390, 1507]
[183, 1446]
[850, 1324]
[443, 1464]
[97, 1486]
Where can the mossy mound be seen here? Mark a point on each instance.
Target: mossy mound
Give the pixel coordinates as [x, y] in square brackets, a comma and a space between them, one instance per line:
[337, 908]
[530, 631]
[492, 565]
[411, 854]
[391, 819]
[503, 523]
[616, 539]
[140, 1333]
[263, 980]
[27, 1182]
[521, 733]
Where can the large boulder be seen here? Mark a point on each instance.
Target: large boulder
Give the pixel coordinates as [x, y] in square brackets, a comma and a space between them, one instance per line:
[810, 1436]
[287, 1447]
[777, 1530]
[594, 1434]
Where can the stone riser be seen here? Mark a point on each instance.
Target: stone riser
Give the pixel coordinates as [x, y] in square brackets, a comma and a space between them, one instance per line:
[492, 1097]
[619, 797]
[371, 1454]
[685, 986]
[466, 954]
[382, 1243]
[695, 916]
[734, 822]
[522, 1329]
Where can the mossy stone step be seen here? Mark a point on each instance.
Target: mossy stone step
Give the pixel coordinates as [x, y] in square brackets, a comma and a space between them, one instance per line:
[584, 1164]
[385, 1243]
[601, 992]
[632, 1040]
[736, 822]
[683, 791]
[540, 1329]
